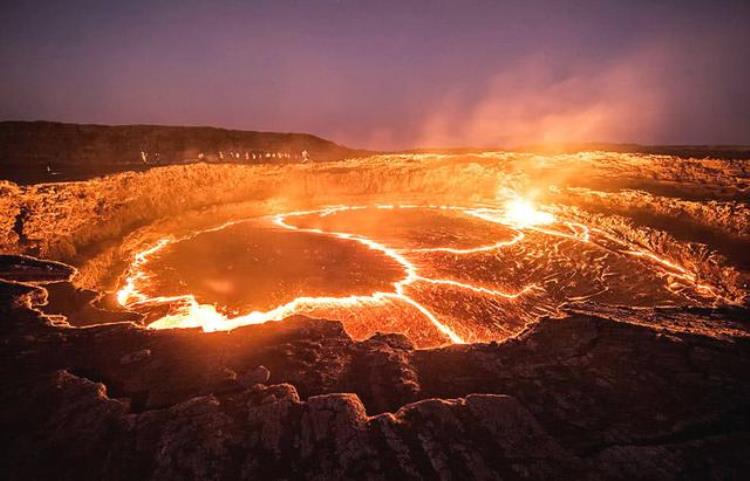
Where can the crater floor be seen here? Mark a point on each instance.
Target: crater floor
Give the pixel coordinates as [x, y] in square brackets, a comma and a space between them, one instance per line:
[438, 274]
[398, 317]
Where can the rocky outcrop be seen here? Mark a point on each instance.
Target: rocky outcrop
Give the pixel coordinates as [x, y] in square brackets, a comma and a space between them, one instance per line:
[26, 268]
[76, 221]
[613, 395]
[604, 392]
[39, 151]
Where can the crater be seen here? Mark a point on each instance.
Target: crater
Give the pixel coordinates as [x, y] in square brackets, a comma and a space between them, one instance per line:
[253, 266]
[323, 306]
[437, 273]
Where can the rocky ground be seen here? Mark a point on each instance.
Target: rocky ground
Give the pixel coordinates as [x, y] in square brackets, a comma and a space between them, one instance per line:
[32, 152]
[605, 392]
[583, 397]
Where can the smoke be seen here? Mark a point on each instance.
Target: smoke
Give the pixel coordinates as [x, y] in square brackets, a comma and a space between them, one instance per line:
[537, 100]
[389, 74]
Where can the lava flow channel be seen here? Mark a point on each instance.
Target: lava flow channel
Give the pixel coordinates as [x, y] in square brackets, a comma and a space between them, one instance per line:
[184, 310]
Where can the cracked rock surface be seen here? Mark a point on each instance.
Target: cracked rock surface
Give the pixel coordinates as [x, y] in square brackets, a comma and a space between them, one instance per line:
[609, 394]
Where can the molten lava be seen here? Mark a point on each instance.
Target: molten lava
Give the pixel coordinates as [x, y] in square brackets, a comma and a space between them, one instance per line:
[521, 213]
[449, 290]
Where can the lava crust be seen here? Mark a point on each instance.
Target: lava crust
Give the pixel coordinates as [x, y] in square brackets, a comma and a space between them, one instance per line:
[591, 336]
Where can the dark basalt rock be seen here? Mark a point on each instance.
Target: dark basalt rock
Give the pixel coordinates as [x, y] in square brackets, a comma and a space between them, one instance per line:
[589, 396]
[26, 268]
[53, 151]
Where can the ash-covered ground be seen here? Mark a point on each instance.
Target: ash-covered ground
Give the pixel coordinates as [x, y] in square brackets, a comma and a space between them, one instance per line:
[473, 316]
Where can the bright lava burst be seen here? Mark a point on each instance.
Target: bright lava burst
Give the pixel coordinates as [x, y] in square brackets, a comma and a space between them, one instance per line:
[519, 215]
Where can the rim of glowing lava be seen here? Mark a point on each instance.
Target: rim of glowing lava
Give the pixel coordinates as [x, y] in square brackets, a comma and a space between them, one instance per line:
[518, 214]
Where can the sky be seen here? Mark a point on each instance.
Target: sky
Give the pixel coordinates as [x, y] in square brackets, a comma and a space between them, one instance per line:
[388, 74]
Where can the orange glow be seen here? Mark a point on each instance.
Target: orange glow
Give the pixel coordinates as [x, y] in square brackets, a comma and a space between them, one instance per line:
[519, 215]
[522, 213]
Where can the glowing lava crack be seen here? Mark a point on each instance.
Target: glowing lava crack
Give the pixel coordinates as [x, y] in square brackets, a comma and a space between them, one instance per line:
[180, 311]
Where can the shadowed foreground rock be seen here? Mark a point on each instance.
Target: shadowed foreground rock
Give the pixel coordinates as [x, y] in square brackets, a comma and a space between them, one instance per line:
[615, 395]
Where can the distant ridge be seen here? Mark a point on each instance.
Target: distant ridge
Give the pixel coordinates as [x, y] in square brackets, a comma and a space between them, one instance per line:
[32, 151]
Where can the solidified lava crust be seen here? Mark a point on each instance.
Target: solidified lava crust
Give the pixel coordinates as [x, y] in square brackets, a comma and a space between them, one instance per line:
[592, 389]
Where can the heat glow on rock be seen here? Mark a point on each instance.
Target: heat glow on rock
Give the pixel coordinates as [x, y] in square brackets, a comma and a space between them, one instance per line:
[438, 273]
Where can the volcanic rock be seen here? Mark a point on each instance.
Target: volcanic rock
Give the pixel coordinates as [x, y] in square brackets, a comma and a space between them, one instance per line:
[80, 151]
[257, 375]
[25, 268]
[596, 391]
[582, 397]
[136, 356]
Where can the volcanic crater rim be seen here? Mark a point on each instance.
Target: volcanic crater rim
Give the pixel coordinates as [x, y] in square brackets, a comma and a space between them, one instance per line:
[411, 277]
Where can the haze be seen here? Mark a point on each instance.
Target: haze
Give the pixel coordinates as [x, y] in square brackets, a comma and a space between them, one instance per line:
[389, 74]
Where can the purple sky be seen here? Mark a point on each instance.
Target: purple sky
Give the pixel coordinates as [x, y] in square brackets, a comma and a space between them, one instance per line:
[388, 74]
